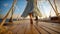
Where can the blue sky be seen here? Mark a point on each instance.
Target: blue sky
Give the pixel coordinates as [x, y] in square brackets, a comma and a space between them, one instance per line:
[5, 5]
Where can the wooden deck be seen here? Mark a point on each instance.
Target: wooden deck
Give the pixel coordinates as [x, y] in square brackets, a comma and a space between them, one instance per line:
[24, 27]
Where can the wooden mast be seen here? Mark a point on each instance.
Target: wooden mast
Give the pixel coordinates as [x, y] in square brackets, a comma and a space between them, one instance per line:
[4, 19]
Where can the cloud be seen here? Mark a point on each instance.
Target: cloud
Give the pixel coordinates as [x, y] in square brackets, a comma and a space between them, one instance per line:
[6, 4]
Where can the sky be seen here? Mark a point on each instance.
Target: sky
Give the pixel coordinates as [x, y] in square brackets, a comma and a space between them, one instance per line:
[43, 6]
[5, 5]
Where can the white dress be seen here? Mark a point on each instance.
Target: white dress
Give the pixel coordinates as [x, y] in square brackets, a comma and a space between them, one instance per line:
[31, 8]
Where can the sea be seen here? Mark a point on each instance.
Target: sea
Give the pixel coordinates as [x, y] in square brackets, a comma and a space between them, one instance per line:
[7, 20]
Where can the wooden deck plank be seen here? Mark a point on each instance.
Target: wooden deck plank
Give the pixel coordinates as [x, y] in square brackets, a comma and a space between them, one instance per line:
[54, 25]
[24, 27]
[51, 27]
[52, 32]
[28, 31]
[19, 28]
[31, 30]
[34, 30]
[41, 30]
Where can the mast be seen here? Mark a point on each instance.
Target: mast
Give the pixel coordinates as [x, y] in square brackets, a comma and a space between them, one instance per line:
[4, 19]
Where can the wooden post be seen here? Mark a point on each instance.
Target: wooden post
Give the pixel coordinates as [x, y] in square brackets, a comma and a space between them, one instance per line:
[31, 20]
